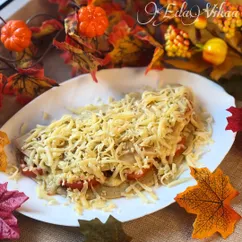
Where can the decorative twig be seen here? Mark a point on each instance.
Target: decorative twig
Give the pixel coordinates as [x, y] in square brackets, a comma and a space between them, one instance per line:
[3, 20]
[46, 51]
[41, 15]
[11, 60]
[72, 4]
[7, 64]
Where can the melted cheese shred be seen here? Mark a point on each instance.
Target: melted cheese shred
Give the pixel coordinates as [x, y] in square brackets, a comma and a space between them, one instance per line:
[138, 132]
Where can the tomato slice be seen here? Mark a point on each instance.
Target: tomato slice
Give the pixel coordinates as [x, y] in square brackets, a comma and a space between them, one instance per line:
[29, 173]
[137, 175]
[79, 185]
[180, 150]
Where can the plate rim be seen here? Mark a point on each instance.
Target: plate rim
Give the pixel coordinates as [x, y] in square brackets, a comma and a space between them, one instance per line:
[107, 70]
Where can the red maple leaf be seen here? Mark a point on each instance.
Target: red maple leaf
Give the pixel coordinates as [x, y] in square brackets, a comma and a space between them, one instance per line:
[9, 202]
[235, 121]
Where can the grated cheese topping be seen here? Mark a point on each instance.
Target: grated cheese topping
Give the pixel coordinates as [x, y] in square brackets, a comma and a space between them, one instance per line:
[154, 130]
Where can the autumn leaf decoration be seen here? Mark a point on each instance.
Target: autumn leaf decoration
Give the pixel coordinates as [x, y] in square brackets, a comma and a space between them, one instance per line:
[235, 121]
[3, 157]
[47, 27]
[9, 202]
[27, 84]
[210, 201]
[111, 231]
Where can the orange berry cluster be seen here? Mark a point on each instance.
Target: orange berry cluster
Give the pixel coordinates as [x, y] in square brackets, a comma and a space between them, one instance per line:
[233, 19]
[177, 43]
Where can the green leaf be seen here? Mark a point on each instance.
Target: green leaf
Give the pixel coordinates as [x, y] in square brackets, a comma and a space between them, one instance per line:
[111, 231]
[48, 27]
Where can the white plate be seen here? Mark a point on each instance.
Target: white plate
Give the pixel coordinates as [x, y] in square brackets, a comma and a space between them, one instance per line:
[81, 91]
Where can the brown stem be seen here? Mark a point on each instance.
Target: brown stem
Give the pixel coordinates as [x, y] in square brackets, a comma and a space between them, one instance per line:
[74, 5]
[7, 63]
[198, 35]
[3, 20]
[11, 60]
[46, 51]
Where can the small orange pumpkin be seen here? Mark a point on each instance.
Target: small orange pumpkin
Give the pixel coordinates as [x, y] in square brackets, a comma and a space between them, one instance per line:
[93, 21]
[16, 35]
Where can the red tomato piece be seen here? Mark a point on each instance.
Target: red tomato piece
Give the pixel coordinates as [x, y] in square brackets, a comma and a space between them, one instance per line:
[180, 150]
[29, 173]
[137, 175]
[79, 185]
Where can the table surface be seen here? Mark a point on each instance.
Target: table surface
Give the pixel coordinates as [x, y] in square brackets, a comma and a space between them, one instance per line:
[167, 225]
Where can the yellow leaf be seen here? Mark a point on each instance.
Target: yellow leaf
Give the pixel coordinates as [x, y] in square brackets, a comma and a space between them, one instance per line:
[157, 61]
[236, 41]
[232, 60]
[128, 49]
[195, 64]
[4, 140]
[210, 201]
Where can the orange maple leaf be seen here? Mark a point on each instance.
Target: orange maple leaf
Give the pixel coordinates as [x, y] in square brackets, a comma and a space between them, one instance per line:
[210, 201]
[3, 157]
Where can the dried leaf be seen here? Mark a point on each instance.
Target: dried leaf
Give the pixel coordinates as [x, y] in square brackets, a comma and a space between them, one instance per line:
[4, 140]
[195, 64]
[90, 45]
[213, 2]
[128, 49]
[47, 27]
[111, 231]
[28, 83]
[2, 82]
[71, 25]
[232, 85]
[103, 3]
[236, 41]
[196, 38]
[63, 5]
[27, 57]
[114, 17]
[143, 35]
[157, 61]
[235, 121]
[232, 60]
[3, 158]
[80, 59]
[9, 202]
[210, 201]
